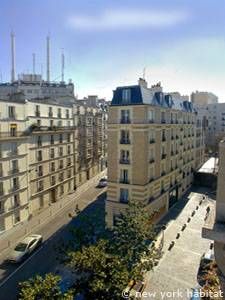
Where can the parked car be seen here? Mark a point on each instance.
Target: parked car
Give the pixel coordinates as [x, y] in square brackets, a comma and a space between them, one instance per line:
[25, 248]
[102, 182]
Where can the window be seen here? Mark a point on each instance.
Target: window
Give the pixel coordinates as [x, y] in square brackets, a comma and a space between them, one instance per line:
[50, 113]
[51, 123]
[151, 174]
[39, 123]
[13, 130]
[40, 171]
[16, 201]
[125, 116]
[68, 161]
[52, 166]
[1, 188]
[52, 139]
[67, 113]
[60, 151]
[37, 110]
[1, 170]
[59, 113]
[124, 137]
[151, 136]
[163, 117]
[60, 123]
[14, 166]
[15, 183]
[53, 180]
[151, 116]
[163, 135]
[40, 185]
[60, 138]
[39, 155]
[61, 164]
[126, 95]
[61, 189]
[152, 157]
[13, 148]
[124, 157]
[11, 110]
[52, 153]
[124, 195]
[61, 176]
[68, 149]
[68, 137]
[69, 173]
[39, 141]
[124, 176]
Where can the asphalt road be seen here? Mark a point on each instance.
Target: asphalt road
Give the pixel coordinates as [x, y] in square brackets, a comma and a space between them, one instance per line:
[44, 259]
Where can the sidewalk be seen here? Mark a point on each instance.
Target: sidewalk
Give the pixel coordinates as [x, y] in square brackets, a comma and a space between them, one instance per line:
[11, 237]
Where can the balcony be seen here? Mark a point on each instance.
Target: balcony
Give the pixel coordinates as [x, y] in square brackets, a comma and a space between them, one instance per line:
[14, 171]
[124, 161]
[151, 121]
[163, 156]
[163, 121]
[125, 141]
[125, 121]
[15, 187]
[11, 135]
[124, 180]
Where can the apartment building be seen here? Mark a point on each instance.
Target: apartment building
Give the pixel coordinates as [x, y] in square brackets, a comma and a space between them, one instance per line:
[47, 149]
[90, 154]
[52, 147]
[214, 227]
[14, 164]
[203, 98]
[151, 149]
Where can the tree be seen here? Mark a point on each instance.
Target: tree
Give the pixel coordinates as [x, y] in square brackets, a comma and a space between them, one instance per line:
[132, 235]
[39, 288]
[102, 276]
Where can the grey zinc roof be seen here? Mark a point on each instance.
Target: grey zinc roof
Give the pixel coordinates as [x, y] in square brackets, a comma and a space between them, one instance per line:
[142, 95]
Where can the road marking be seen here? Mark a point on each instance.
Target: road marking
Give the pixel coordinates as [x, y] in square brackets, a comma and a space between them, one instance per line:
[20, 266]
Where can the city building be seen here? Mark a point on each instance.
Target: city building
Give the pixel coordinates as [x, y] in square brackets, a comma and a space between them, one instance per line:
[214, 227]
[152, 149]
[47, 149]
[203, 98]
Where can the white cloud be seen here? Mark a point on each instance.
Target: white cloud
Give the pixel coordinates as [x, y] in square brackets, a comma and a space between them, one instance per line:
[128, 19]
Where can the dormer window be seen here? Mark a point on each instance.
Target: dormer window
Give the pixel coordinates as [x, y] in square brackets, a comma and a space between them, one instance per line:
[126, 95]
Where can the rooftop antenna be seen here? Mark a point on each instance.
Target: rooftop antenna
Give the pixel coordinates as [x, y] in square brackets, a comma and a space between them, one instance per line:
[34, 62]
[12, 57]
[48, 58]
[144, 70]
[63, 65]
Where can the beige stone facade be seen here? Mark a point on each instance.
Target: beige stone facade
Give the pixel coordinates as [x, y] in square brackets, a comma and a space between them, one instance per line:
[46, 151]
[151, 156]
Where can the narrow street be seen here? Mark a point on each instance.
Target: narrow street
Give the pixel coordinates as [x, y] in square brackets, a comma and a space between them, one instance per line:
[54, 232]
[176, 273]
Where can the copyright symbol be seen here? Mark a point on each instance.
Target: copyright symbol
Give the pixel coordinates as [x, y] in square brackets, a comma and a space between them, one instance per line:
[125, 295]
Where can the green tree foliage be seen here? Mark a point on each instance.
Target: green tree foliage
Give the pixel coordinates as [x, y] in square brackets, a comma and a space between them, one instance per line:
[102, 275]
[132, 234]
[39, 288]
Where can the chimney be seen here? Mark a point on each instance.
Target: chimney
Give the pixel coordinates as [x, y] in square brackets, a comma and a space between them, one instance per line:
[48, 58]
[142, 82]
[13, 78]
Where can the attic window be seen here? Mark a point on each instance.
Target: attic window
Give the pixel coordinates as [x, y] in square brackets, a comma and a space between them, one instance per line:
[126, 95]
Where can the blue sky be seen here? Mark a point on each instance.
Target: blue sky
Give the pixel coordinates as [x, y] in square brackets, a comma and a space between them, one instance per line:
[108, 43]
